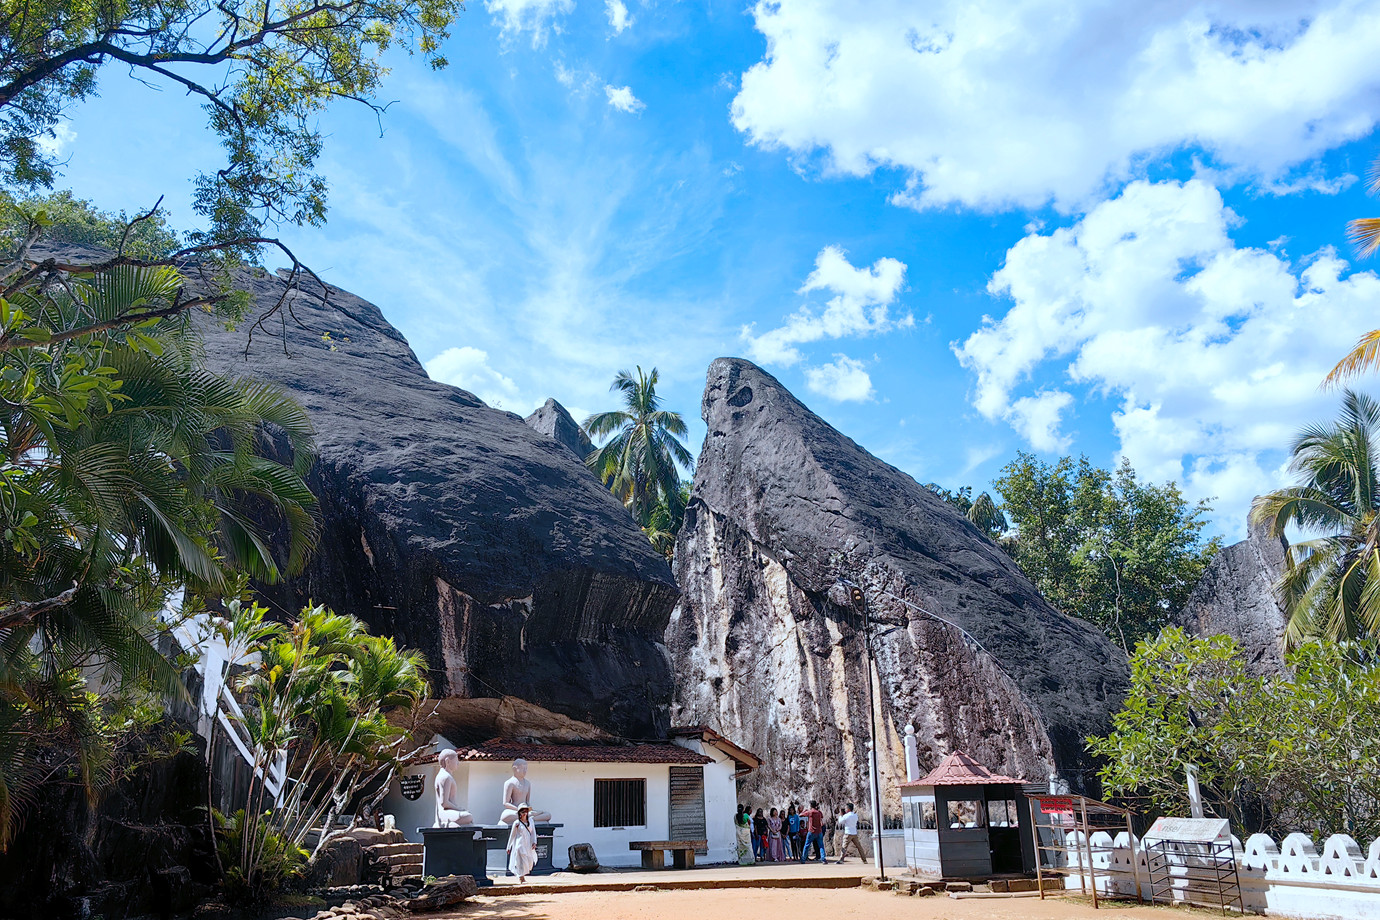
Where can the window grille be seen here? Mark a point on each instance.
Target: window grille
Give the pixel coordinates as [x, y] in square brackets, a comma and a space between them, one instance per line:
[620, 803]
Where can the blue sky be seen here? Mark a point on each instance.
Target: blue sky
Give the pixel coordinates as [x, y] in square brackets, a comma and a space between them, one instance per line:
[955, 230]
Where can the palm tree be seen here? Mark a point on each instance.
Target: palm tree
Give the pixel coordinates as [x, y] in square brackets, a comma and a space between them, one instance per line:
[127, 471]
[641, 462]
[1331, 586]
[1364, 233]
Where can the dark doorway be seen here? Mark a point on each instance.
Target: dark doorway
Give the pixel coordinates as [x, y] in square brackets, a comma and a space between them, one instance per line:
[1004, 837]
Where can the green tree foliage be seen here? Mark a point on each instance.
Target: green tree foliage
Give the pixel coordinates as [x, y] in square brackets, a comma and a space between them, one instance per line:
[1104, 546]
[1331, 587]
[643, 457]
[76, 221]
[1277, 754]
[263, 70]
[330, 706]
[981, 511]
[128, 472]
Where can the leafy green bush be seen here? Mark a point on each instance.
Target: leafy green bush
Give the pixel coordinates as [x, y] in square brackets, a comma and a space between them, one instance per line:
[1294, 752]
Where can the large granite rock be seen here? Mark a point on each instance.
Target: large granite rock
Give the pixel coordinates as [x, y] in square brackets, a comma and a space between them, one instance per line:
[768, 646]
[554, 421]
[462, 532]
[1236, 597]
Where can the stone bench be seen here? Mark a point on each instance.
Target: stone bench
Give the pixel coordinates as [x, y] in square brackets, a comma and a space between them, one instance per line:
[654, 852]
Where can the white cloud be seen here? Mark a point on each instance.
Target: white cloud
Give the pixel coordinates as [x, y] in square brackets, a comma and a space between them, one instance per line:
[535, 16]
[622, 99]
[468, 368]
[1037, 418]
[992, 103]
[843, 380]
[860, 306]
[58, 141]
[618, 15]
[1213, 353]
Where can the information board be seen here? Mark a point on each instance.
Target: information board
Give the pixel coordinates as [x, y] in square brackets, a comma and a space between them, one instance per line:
[412, 785]
[1056, 805]
[1190, 830]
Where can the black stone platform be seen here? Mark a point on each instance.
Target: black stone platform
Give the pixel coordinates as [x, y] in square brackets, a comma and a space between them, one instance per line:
[465, 850]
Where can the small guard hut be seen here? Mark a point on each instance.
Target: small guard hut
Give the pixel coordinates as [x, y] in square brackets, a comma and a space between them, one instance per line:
[964, 822]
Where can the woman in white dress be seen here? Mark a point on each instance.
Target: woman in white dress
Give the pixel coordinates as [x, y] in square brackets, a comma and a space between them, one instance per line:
[522, 845]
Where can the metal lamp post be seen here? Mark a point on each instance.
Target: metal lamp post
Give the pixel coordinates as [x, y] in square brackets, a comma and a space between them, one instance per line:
[855, 594]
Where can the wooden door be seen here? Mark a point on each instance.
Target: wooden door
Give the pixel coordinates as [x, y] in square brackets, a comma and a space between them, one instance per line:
[687, 804]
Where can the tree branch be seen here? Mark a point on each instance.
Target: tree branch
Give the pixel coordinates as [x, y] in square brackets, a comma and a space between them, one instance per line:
[24, 612]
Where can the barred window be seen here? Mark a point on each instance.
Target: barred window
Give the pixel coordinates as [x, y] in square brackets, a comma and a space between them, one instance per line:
[620, 803]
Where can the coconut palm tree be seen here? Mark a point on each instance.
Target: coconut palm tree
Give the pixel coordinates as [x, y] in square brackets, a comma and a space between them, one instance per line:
[1331, 586]
[1364, 233]
[641, 461]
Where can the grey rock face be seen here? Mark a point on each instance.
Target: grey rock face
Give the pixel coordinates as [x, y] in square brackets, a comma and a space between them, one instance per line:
[555, 422]
[1236, 597]
[463, 532]
[769, 650]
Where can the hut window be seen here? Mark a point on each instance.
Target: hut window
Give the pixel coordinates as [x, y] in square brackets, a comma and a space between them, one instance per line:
[929, 820]
[967, 813]
[620, 803]
[1002, 813]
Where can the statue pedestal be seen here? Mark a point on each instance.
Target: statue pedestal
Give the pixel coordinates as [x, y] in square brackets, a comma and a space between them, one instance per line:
[458, 851]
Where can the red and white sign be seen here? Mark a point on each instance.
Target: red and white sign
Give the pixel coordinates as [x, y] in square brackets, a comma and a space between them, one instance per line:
[1056, 805]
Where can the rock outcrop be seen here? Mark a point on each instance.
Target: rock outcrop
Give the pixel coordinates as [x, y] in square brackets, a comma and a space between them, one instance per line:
[768, 645]
[555, 422]
[461, 531]
[1236, 597]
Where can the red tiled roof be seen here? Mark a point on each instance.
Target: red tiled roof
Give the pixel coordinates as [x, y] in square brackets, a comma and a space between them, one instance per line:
[502, 749]
[958, 769]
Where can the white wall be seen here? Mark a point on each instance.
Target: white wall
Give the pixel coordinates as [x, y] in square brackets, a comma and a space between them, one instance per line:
[567, 791]
[1289, 879]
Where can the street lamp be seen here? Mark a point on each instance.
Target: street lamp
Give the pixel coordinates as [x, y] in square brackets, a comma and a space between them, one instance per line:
[855, 594]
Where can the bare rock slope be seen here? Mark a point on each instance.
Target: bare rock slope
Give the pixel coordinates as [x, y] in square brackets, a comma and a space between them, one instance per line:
[463, 532]
[554, 421]
[1236, 597]
[768, 648]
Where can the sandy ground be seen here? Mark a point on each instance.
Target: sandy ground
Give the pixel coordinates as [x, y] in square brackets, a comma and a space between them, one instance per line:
[789, 904]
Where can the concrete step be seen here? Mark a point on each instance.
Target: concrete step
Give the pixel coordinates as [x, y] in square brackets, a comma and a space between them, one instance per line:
[402, 859]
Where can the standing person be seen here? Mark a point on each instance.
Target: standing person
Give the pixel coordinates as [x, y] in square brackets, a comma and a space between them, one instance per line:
[848, 821]
[776, 842]
[813, 819]
[522, 845]
[793, 831]
[759, 835]
[743, 827]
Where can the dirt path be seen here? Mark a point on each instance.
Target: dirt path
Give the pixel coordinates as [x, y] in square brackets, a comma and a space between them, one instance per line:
[788, 904]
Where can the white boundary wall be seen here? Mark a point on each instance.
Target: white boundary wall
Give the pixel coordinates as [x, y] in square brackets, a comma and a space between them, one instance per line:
[1290, 879]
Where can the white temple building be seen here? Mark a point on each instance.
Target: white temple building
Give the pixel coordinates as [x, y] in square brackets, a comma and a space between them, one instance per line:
[606, 795]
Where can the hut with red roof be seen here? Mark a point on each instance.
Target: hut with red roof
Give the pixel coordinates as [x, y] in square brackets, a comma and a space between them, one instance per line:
[962, 821]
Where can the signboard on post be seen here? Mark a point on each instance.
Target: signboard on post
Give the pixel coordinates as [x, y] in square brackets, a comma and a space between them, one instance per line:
[1190, 830]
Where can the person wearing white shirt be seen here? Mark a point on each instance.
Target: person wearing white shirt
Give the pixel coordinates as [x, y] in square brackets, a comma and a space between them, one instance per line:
[849, 822]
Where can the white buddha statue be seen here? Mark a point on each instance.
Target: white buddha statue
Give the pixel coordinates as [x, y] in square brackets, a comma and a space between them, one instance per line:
[448, 810]
[517, 791]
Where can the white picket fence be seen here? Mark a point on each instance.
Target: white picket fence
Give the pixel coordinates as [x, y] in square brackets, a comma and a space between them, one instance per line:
[1290, 879]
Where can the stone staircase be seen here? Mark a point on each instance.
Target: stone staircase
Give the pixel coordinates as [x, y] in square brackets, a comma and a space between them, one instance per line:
[396, 861]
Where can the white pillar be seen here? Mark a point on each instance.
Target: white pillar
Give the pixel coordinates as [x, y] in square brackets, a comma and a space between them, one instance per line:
[876, 806]
[1195, 796]
[912, 755]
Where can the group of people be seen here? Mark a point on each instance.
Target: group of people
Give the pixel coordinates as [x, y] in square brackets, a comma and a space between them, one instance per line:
[779, 834]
